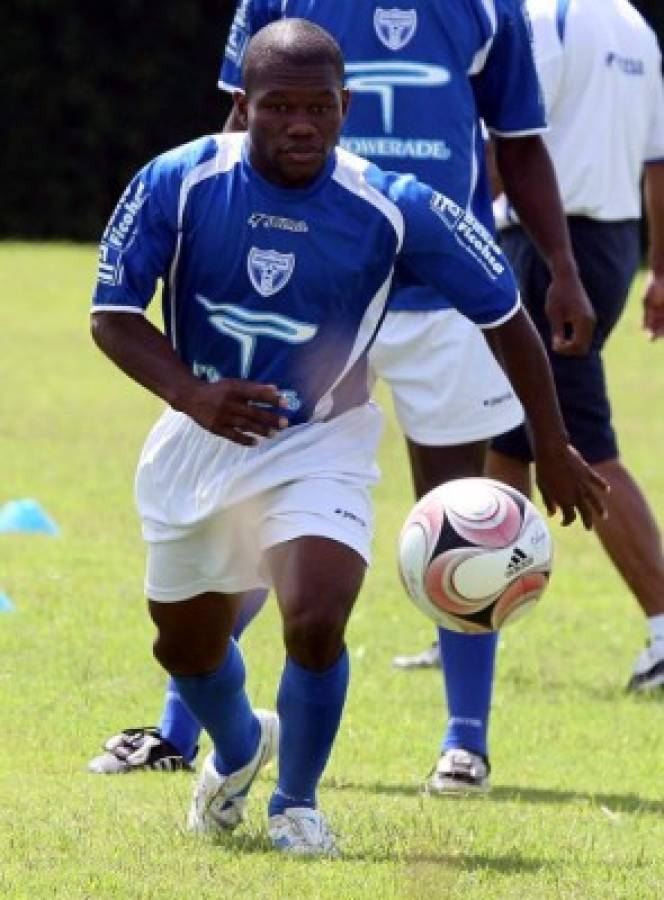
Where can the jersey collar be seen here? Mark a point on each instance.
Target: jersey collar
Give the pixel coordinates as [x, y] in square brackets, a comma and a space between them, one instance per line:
[293, 195]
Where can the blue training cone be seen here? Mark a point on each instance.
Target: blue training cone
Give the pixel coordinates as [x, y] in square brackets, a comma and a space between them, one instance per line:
[6, 604]
[28, 516]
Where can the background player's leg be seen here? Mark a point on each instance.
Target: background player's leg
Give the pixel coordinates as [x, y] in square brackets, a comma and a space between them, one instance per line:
[510, 470]
[178, 726]
[631, 537]
[316, 581]
[633, 542]
[467, 660]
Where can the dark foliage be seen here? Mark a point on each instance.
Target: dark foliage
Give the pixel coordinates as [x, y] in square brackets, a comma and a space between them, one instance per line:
[91, 91]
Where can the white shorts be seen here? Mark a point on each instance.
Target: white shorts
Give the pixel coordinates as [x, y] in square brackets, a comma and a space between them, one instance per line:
[446, 385]
[210, 508]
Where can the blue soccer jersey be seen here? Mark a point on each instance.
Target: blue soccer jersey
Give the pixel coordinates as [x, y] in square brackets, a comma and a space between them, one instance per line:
[288, 286]
[421, 78]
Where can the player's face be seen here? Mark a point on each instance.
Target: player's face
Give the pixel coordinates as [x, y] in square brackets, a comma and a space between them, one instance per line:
[293, 115]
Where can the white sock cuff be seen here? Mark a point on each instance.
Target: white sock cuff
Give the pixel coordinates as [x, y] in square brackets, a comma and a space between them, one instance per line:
[656, 624]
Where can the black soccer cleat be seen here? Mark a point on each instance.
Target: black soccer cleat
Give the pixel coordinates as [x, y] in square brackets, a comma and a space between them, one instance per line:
[136, 749]
[648, 672]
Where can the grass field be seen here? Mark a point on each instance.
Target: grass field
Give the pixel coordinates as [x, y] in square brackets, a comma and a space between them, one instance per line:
[577, 808]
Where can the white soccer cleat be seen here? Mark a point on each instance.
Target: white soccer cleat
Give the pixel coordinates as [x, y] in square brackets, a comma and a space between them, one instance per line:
[301, 831]
[648, 672]
[459, 772]
[219, 800]
[426, 659]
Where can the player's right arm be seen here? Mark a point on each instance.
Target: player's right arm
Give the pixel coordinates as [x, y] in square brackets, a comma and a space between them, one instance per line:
[653, 188]
[136, 251]
[508, 98]
[653, 299]
[226, 408]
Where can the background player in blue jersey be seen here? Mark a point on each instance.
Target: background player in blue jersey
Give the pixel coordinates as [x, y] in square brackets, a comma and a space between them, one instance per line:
[421, 76]
[276, 253]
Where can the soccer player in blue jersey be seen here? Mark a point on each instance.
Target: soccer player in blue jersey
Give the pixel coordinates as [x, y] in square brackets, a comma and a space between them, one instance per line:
[276, 253]
[421, 76]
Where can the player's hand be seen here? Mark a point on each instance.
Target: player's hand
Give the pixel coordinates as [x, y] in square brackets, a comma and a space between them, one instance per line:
[569, 313]
[567, 483]
[653, 306]
[237, 410]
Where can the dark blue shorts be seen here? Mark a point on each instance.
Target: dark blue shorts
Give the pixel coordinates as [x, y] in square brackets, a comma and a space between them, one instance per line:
[607, 254]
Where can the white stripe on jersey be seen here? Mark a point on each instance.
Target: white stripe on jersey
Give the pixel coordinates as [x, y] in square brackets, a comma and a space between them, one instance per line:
[365, 332]
[474, 170]
[228, 155]
[349, 173]
[479, 60]
[114, 308]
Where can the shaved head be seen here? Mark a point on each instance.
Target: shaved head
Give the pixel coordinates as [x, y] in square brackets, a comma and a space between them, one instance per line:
[290, 42]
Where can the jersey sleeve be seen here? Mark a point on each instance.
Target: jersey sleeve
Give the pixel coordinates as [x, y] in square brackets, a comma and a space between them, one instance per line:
[507, 89]
[447, 248]
[138, 243]
[250, 17]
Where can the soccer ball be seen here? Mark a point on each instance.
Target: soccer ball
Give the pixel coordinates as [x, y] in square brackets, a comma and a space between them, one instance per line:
[474, 555]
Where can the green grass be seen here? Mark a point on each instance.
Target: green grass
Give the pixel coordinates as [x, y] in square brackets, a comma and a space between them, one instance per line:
[578, 799]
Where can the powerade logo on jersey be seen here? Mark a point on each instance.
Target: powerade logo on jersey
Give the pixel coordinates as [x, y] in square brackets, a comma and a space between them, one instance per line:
[625, 64]
[269, 270]
[469, 233]
[119, 235]
[382, 79]
[395, 27]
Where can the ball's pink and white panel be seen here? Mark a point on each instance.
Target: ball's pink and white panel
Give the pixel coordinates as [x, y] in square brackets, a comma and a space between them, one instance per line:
[480, 511]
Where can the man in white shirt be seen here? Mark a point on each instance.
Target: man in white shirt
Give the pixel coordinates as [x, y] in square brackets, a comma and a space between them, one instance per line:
[600, 70]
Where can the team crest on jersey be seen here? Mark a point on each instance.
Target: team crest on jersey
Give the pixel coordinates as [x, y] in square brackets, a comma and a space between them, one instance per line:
[395, 27]
[269, 270]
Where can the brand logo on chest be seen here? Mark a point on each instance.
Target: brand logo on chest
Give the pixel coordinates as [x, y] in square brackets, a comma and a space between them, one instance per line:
[269, 270]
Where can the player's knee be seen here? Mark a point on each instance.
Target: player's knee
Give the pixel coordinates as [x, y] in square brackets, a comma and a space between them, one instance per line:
[199, 657]
[314, 638]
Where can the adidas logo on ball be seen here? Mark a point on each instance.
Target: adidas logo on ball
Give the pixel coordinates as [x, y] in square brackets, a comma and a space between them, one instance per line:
[518, 562]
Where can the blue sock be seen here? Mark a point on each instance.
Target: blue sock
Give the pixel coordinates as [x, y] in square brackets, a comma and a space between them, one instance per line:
[220, 704]
[251, 606]
[177, 725]
[309, 706]
[468, 664]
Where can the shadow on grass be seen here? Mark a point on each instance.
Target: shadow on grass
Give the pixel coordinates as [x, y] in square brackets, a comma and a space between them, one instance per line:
[604, 692]
[510, 863]
[627, 803]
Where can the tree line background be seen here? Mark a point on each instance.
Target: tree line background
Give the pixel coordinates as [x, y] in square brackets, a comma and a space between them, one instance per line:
[94, 90]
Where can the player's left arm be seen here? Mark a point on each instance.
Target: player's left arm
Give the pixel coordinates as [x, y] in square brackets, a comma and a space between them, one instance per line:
[512, 104]
[446, 247]
[653, 299]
